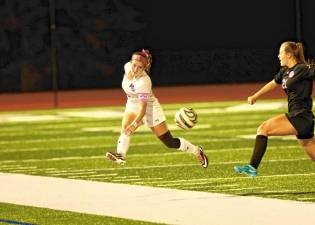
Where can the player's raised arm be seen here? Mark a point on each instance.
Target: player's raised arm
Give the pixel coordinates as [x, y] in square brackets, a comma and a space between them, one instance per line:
[268, 87]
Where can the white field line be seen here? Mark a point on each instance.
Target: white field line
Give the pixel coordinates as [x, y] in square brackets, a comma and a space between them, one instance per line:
[104, 176]
[242, 189]
[189, 133]
[22, 171]
[171, 183]
[162, 183]
[215, 188]
[69, 170]
[59, 139]
[73, 173]
[18, 167]
[234, 120]
[49, 169]
[136, 179]
[86, 176]
[123, 177]
[110, 114]
[170, 206]
[98, 178]
[146, 167]
[126, 167]
[191, 182]
[38, 132]
[280, 191]
[173, 126]
[148, 154]
[306, 198]
[113, 145]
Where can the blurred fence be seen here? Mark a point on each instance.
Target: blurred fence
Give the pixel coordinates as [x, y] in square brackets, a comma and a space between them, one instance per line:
[92, 41]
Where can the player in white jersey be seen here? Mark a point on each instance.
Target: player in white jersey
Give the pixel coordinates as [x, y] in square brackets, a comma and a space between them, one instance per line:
[142, 107]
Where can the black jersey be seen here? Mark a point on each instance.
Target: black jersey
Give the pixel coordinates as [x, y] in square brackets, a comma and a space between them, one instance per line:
[297, 82]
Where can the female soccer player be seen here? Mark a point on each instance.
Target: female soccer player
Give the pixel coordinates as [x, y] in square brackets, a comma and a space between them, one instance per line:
[143, 108]
[295, 77]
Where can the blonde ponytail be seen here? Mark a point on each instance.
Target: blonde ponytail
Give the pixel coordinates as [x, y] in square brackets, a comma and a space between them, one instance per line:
[296, 49]
[300, 53]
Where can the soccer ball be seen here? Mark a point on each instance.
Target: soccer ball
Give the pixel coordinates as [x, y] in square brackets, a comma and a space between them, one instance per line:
[186, 118]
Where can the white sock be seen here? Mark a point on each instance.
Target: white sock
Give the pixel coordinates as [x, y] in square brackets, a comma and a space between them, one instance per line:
[123, 144]
[186, 146]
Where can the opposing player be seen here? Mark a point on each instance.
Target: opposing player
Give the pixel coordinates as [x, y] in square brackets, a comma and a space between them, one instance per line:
[295, 76]
[142, 107]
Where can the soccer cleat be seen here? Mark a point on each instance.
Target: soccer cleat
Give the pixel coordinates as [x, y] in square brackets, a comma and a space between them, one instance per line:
[247, 169]
[203, 159]
[115, 157]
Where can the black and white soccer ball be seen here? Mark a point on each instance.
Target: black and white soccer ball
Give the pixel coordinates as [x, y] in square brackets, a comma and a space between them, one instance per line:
[186, 118]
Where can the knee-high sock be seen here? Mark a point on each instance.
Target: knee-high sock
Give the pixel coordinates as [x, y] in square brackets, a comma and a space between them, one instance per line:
[259, 150]
[123, 144]
[186, 146]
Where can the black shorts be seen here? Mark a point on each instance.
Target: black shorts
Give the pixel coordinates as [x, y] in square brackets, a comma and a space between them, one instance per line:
[303, 123]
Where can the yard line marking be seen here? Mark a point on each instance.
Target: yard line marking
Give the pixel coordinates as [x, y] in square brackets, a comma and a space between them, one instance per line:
[80, 138]
[147, 167]
[147, 154]
[112, 114]
[214, 179]
[21, 170]
[212, 188]
[17, 167]
[99, 146]
[107, 179]
[226, 178]
[72, 173]
[306, 198]
[242, 189]
[103, 176]
[72, 170]
[49, 169]
[137, 179]
[122, 177]
[280, 191]
[186, 184]
[59, 139]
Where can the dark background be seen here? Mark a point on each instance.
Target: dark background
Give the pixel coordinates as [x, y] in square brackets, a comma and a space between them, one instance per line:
[193, 42]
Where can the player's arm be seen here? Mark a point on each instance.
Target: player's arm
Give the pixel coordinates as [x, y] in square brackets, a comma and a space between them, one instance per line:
[138, 121]
[268, 87]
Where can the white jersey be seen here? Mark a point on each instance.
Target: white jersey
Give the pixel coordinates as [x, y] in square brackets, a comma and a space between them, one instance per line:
[140, 89]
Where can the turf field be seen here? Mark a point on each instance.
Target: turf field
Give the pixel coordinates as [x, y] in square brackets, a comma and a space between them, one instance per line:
[71, 143]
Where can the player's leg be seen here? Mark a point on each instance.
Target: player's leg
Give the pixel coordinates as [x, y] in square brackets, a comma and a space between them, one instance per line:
[309, 147]
[162, 132]
[305, 124]
[276, 126]
[123, 140]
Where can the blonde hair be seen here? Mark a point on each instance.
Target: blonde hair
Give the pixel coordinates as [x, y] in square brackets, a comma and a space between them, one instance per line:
[145, 57]
[296, 49]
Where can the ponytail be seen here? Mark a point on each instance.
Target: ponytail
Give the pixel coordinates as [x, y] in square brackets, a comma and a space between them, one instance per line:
[296, 49]
[300, 53]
